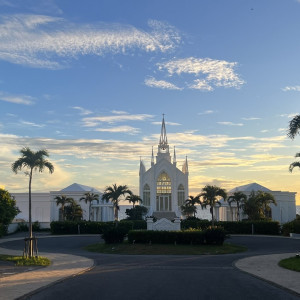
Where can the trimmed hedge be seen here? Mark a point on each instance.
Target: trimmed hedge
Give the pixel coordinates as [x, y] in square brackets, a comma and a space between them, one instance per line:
[114, 235]
[212, 235]
[291, 227]
[243, 227]
[71, 227]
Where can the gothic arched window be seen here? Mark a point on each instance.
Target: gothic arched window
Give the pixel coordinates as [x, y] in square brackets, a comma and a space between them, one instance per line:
[163, 184]
[146, 195]
[180, 195]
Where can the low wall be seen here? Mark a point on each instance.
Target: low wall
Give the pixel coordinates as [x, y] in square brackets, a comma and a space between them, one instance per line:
[163, 224]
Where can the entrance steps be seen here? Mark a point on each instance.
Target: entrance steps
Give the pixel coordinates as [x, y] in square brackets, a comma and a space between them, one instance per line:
[170, 215]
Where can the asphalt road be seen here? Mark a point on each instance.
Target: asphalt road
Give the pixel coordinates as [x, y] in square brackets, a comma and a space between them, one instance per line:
[164, 277]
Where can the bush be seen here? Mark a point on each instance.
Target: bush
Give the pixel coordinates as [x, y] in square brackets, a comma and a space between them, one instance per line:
[136, 213]
[291, 227]
[244, 227]
[215, 235]
[3, 229]
[194, 237]
[114, 235]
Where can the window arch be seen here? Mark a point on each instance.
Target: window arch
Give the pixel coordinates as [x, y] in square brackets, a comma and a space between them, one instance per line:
[180, 195]
[163, 184]
[146, 195]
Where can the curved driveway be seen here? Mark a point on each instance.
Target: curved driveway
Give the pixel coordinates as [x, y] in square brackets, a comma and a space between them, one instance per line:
[164, 277]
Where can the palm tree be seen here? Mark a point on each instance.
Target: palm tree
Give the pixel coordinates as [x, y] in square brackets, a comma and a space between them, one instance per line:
[73, 211]
[89, 197]
[63, 200]
[134, 199]
[32, 161]
[265, 199]
[295, 163]
[113, 193]
[211, 195]
[294, 127]
[239, 198]
[190, 205]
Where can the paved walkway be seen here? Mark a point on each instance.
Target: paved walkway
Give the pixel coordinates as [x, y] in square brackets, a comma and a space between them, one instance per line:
[65, 265]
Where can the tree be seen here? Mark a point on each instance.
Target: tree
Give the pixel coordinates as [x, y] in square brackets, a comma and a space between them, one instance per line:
[257, 206]
[238, 198]
[113, 194]
[189, 207]
[8, 209]
[73, 211]
[62, 200]
[294, 127]
[134, 199]
[136, 213]
[89, 197]
[211, 195]
[32, 161]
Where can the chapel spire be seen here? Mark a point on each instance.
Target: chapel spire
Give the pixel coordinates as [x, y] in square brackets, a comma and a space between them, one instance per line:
[163, 141]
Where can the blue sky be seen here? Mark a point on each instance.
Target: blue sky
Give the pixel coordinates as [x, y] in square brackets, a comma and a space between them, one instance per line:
[90, 82]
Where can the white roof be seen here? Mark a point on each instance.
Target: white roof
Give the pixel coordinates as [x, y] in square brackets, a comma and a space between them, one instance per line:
[76, 187]
[250, 187]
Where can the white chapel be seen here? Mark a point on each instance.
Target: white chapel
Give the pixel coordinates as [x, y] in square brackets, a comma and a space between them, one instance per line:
[164, 187]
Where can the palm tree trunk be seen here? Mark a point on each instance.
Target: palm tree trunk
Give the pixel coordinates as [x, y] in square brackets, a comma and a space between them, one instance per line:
[30, 253]
[212, 216]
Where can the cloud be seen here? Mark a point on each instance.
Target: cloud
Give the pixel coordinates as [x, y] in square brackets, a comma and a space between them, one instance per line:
[26, 123]
[291, 115]
[213, 73]
[83, 111]
[230, 124]
[206, 112]
[152, 82]
[118, 129]
[17, 99]
[40, 41]
[167, 123]
[94, 121]
[251, 119]
[291, 88]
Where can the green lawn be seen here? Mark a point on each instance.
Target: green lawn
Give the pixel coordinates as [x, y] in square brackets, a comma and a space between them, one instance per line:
[158, 249]
[21, 261]
[292, 263]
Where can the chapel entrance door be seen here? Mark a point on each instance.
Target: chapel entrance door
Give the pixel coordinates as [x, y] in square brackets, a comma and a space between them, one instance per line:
[163, 203]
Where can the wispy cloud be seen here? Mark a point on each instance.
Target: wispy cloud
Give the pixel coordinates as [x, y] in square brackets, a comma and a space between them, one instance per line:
[26, 123]
[230, 124]
[291, 88]
[206, 112]
[251, 119]
[120, 129]
[17, 99]
[39, 40]
[167, 123]
[291, 115]
[152, 82]
[94, 121]
[82, 111]
[209, 73]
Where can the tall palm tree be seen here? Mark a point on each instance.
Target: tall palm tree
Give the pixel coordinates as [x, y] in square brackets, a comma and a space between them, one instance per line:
[89, 197]
[133, 199]
[239, 198]
[63, 200]
[113, 194]
[294, 127]
[265, 199]
[211, 195]
[73, 211]
[32, 161]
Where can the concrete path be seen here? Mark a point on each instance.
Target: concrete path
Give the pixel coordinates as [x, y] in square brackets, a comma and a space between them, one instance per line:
[266, 267]
[63, 266]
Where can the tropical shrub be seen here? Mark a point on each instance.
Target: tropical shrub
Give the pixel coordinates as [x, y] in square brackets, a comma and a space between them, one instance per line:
[214, 235]
[138, 212]
[291, 227]
[114, 235]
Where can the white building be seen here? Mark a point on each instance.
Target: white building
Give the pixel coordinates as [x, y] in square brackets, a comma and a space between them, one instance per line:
[283, 212]
[163, 187]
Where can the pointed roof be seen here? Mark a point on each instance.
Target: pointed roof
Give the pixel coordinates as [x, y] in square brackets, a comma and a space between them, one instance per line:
[185, 167]
[163, 140]
[76, 187]
[250, 187]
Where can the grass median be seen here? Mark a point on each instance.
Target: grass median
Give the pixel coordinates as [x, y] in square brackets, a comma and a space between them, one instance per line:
[164, 249]
[292, 263]
[22, 261]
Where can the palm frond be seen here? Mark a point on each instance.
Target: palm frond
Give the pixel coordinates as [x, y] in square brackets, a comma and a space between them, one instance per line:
[294, 127]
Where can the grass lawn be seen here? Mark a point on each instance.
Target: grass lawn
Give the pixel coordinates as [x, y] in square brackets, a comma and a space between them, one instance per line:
[292, 263]
[21, 261]
[164, 249]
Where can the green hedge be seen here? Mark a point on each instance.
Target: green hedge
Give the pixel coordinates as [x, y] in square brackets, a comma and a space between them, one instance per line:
[212, 235]
[3, 229]
[291, 227]
[71, 227]
[243, 227]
